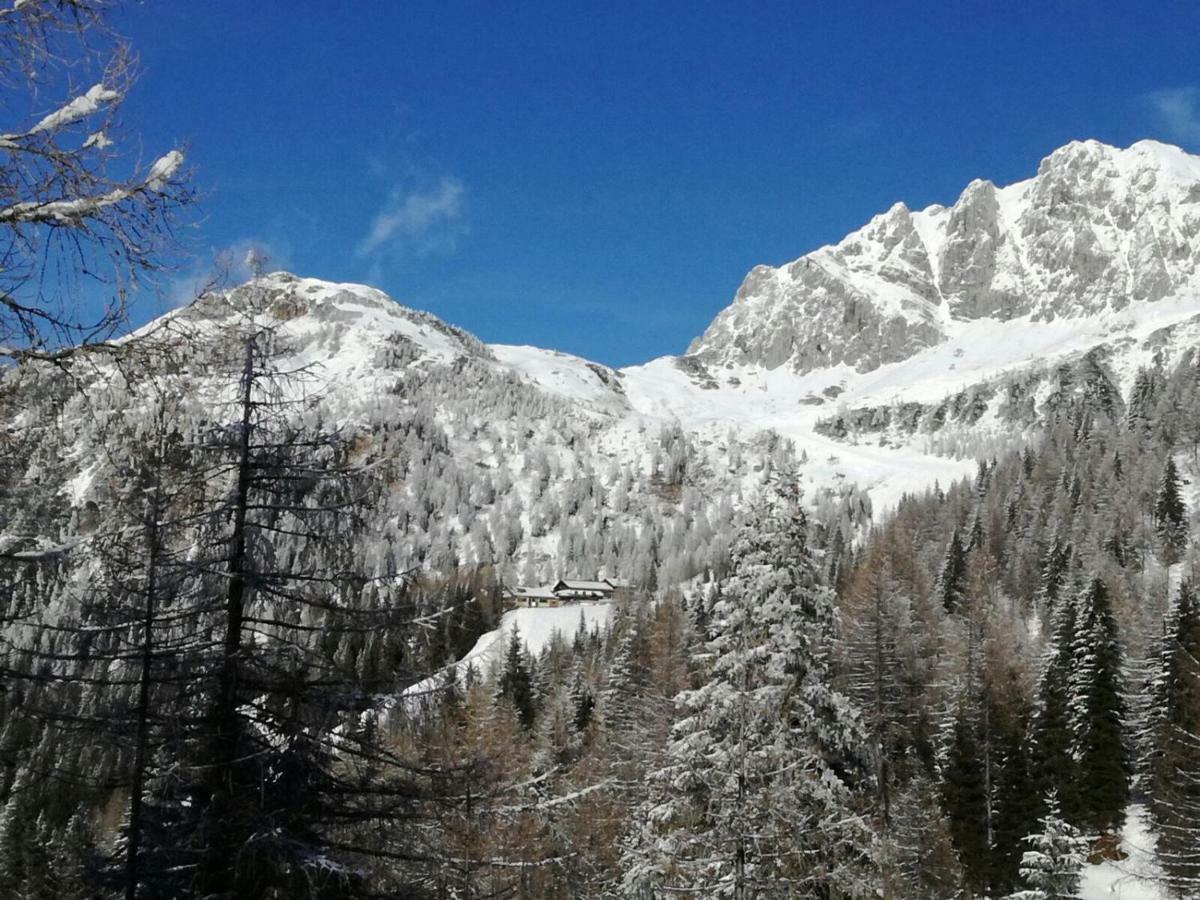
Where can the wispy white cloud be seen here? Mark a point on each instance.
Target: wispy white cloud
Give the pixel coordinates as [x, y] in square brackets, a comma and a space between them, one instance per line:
[420, 220]
[1178, 112]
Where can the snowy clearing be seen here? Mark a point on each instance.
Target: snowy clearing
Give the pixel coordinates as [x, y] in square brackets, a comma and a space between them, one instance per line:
[537, 626]
[1132, 878]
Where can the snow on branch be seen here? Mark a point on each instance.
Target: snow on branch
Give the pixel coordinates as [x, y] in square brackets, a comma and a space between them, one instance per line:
[552, 802]
[80, 108]
[163, 170]
[73, 210]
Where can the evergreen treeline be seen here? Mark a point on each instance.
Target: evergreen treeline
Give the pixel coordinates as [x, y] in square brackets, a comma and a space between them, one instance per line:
[200, 662]
[1018, 644]
[962, 703]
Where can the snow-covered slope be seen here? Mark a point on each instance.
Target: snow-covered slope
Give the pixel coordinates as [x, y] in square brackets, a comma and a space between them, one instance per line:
[547, 464]
[1097, 229]
[536, 627]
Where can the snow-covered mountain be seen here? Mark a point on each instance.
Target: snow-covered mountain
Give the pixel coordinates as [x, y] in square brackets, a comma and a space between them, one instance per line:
[946, 330]
[884, 362]
[1096, 230]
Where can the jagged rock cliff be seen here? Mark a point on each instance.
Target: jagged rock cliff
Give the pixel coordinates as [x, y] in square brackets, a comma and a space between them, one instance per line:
[1097, 228]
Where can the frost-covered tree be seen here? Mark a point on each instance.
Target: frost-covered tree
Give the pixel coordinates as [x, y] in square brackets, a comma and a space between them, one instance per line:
[1053, 763]
[1054, 573]
[1050, 869]
[757, 795]
[1170, 514]
[1096, 712]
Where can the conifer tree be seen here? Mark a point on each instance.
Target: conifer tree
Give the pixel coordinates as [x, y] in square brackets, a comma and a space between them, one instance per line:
[1097, 714]
[965, 796]
[1054, 573]
[1142, 399]
[1051, 867]
[516, 681]
[1170, 515]
[1014, 799]
[1052, 762]
[756, 797]
[874, 618]
[1174, 778]
[924, 857]
[952, 578]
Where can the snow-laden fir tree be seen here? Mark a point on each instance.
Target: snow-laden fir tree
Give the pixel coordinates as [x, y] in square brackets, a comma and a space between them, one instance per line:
[758, 793]
[1096, 711]
[1052, 763]
[1050, 867]
[622, 699]
[1170, 515]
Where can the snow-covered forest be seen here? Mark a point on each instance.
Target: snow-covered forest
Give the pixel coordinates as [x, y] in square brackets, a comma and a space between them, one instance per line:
[261, 562]
[934, 706]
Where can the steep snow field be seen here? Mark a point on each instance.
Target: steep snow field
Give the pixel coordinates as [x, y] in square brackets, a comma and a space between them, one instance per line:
[749, 398]
[537, 627]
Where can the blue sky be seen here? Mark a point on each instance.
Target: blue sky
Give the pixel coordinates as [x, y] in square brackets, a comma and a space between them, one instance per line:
[598, 177]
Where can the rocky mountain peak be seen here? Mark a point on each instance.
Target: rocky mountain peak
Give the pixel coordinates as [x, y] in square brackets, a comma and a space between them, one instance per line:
[1097, 228]
[350, 330]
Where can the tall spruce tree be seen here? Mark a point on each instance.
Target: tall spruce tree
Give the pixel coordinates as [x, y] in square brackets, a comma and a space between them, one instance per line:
[1053, 765]
[951, 583]
[1096, 711]
[1170, 514]
[757, 796]
[516, 680]
[965, 794]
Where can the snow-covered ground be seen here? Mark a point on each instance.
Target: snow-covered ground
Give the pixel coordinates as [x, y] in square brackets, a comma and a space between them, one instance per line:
[1134, 878]
[749, 399]
[537, 627]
